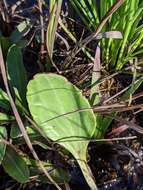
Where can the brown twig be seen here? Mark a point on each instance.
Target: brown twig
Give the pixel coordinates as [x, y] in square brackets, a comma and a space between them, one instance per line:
[101, 109]
[117, 108]
[96, 140]
[5, 142]
[116, 95]
[17, 4]
[5, 12]
[125, 125]
[96, 75]
[42, 50]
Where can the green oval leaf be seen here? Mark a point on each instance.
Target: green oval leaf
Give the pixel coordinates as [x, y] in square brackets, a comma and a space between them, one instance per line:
[16, 72]
[5, 44]
[53, 103]
[5, 117]
[3, 135]
[59, 175]
[15, 166]
[4, 101]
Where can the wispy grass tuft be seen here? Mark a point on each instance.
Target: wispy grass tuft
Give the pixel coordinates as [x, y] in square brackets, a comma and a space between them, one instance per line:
[115, 53]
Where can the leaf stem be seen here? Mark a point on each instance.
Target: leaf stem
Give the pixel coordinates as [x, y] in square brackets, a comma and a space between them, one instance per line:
[87, 174]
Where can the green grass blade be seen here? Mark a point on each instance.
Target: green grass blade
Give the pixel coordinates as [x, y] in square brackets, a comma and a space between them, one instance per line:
[55, 9]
